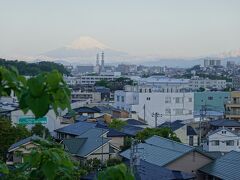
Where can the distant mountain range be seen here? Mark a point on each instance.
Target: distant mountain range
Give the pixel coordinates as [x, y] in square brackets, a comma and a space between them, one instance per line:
[84, 50]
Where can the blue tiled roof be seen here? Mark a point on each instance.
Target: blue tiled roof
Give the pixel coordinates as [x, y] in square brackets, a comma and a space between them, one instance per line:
[76, 128]
[226, 167]
[24, 141]
[160, 151]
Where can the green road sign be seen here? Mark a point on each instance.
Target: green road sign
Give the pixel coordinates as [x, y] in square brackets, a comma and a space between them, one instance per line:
[32, 120]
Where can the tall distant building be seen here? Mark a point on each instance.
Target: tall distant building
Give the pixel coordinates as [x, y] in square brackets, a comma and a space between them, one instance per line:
[212, 62]
[102, 62]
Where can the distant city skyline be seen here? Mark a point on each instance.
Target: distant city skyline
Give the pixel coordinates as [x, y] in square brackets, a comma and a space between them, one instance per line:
[167, 29]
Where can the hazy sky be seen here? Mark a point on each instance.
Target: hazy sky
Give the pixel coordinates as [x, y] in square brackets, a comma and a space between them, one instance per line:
[169, 28]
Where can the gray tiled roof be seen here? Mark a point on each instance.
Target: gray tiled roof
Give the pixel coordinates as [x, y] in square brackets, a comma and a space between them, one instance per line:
[160, 151]
[86, 143]
[226, 167]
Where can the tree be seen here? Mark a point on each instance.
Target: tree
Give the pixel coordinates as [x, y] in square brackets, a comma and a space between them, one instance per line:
[162, 132]
[38, 93]
[117, 124]
[40, 130]
[118, 172]
[9, 135]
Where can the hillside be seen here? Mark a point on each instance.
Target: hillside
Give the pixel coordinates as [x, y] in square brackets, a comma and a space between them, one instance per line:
[31, 69]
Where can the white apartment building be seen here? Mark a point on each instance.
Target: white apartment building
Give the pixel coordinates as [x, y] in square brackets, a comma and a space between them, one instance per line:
[164, 84]
[169, 106]
[223, 140]
[212, 62]
[197, 82]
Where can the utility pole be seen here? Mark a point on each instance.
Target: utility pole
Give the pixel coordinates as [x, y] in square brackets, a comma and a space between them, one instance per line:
[134, 156]
[144, 113]
[156, 115]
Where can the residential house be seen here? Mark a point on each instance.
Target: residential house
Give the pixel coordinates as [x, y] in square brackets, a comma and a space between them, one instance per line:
[171, 155]
[222, 140]
[81, 127]
[226, 167]
[184, 132]
[89, 145]
[18, 150]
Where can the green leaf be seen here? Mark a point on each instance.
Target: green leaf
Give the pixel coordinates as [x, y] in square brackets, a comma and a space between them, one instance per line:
[36, 85]
[39, 106]
[53, 79]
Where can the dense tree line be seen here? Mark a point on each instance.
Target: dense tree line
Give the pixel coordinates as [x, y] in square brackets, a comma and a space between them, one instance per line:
[32, 69]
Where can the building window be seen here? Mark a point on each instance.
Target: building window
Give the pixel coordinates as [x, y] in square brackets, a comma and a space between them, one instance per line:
[189, 99]
[179, 99]
[230, 143]
[148, 98]
[167, 99]
[118, 98]
[191, 140]
[178, 111]
[224, 132]
[215, 143]
[168, 111]
[210, 98]
[122, 98]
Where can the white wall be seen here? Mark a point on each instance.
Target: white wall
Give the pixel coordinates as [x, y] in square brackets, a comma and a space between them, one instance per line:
[222, 138]
[156, 102]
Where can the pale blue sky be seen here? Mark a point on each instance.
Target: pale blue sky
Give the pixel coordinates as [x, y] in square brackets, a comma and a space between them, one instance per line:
[169, 28]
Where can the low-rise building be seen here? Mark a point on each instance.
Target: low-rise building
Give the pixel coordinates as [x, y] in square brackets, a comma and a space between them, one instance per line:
[83, 96]
[196, 82]
[232, 108]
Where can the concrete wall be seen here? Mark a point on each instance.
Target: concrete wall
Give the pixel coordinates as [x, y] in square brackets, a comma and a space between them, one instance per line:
[117, 141]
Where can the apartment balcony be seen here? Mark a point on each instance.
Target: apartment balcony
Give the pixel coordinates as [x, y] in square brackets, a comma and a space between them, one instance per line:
[232, 105]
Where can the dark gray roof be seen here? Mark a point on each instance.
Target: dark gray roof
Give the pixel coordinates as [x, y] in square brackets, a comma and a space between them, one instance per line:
[225, 123]
[160, 151]
[153, 172]
[131, 130]
[86, 110]
[76, 128]
[226, 167]
[86, 143]
[24, 141]
[135, 122]
[82, 118]
[173, 125]
[191, 131]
